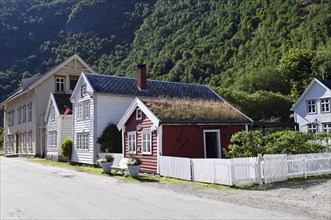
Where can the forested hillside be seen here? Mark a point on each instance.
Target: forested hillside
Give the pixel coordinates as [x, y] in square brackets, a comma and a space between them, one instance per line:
[259, 55]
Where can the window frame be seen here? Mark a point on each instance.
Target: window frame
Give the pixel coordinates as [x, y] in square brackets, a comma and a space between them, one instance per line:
[145, 142]
[11, 117]
[60, 84]
[52, 139]
[30, 112]
[82, 141]
[19, 115]
[326, 127]
[83, 90]
[325, 105]
[24, 114]
[83, 110]
[131, 141]
[52, 113]
[311, 106]
[312, 128]
[139, 114]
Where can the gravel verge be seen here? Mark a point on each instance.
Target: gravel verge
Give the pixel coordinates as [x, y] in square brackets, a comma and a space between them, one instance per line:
[309, 198]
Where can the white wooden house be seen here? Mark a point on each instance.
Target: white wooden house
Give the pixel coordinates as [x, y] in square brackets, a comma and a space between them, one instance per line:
[312, 111]
[24, 111]
[58, 124]
[101, 99]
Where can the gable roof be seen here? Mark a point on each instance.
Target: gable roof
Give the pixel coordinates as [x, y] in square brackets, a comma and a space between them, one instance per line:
[155, 88]
[181, 111]
[63, 101]
[325, 83]
[33, 82]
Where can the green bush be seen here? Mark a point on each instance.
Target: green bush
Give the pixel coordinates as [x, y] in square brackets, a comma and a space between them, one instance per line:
[111, 139]
[67, 147]
[250, 144]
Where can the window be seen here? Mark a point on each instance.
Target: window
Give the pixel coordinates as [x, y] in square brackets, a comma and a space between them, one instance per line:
[86, 113]
[312, 128]
[24, 140]
[19, 115]
[52, 139]
[52, 113]
[132, 142]
[83, 110]
[10, 143]
[10, 118]
[24, 113]
[83, 141]
[325, 105]
[83, 90]
[139, 114]
[29, 140]
[326, 127]
[30, 112]
[73, 83]
[59, 87]
[146, 142]
[311, 106]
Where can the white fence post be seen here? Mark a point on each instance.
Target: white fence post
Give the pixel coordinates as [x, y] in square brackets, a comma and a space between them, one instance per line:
[259, 169]
[304, 166]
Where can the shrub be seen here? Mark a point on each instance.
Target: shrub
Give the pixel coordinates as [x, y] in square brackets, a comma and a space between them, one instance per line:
[250, 144]
[245, 144]
[67, 147]
[111, 139]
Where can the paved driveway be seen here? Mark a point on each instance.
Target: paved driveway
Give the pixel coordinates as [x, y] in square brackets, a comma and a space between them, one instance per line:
[35, 191]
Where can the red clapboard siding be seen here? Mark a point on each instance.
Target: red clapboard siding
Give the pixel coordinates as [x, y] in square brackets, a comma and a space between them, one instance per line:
[149, 162]
[182, 141]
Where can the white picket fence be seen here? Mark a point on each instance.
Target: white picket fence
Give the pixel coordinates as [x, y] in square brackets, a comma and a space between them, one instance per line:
[270, 168]
[308, 164]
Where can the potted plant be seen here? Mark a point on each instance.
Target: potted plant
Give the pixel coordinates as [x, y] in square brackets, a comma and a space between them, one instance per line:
[106, 162]
[133, 163]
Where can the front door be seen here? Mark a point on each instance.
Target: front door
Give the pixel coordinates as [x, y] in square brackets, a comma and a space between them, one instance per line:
[212, 144]
[17, 142]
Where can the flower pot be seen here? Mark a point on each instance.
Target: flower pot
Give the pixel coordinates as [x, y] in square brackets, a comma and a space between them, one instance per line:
[106, 166]
[133, 170]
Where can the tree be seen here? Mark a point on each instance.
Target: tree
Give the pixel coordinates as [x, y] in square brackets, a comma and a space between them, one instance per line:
[111, 139]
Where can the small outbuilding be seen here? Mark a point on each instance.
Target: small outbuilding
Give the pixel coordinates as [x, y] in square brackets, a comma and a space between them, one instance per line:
[58, 124]
[179, 128]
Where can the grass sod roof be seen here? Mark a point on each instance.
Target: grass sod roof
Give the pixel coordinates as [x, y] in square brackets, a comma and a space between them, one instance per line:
[195, 111]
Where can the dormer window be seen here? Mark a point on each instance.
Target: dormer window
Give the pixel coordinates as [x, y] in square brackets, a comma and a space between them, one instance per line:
[83, 90]
[139, 114]
[59, 84]
[311, 106]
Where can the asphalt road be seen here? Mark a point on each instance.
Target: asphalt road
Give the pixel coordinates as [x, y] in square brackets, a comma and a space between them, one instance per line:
[35, 191]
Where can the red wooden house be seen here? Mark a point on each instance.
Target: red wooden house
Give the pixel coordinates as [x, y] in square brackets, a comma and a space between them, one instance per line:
[179, 128]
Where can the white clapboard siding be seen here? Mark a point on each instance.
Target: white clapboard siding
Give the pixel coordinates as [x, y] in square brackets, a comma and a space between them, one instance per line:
[177, 167]
[275, 168]
[110, 108]
[86, 125]
[308, 164]
[51, 127]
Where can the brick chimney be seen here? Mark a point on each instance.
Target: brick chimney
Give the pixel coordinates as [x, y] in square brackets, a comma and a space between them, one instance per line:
[141, 76]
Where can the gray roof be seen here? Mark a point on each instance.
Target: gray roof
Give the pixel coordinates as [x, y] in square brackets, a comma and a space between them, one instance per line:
[326, 82]
[63, 101]
[155, 88]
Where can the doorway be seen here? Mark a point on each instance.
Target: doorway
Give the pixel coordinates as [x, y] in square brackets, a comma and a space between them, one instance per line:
[17, 141]
[212, 143]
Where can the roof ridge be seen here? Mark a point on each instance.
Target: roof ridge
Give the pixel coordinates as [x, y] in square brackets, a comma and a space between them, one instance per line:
[153, 80]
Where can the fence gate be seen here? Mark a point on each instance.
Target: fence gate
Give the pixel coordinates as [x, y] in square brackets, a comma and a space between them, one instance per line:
[275, 168]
